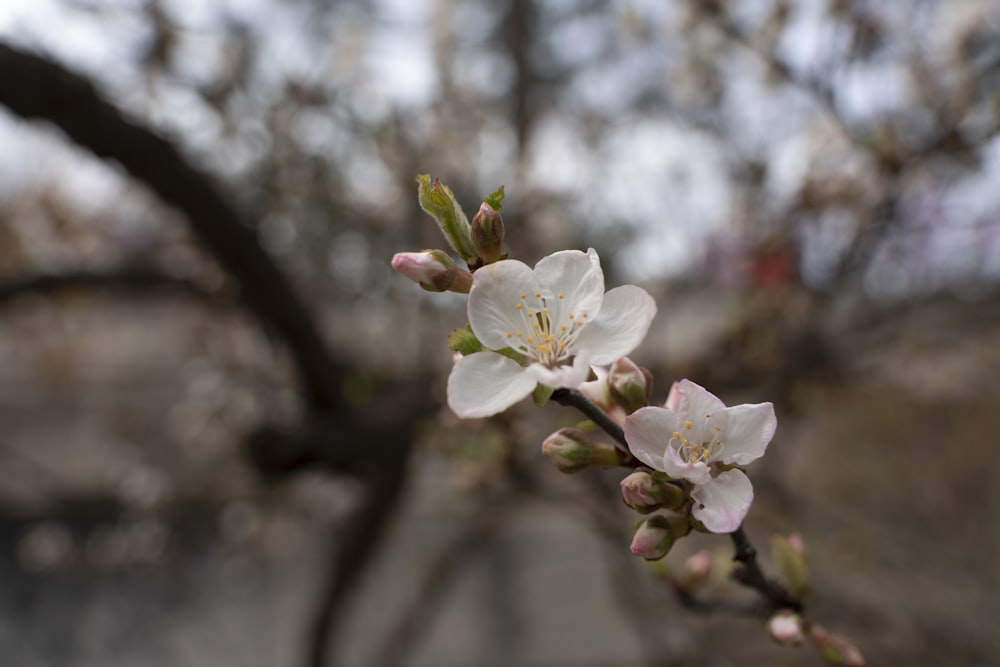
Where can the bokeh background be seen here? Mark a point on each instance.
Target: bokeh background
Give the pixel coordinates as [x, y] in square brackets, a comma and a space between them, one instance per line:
[196, 470]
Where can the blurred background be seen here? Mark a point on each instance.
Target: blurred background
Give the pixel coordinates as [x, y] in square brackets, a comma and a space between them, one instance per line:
[223, 438]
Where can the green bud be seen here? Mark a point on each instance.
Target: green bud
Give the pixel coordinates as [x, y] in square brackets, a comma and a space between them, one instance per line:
[630, 385]
[439, 202]
[571, 450]
[790, 560]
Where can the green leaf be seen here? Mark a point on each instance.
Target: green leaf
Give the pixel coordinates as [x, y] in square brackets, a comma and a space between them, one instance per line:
[494, 199]
[464, 342]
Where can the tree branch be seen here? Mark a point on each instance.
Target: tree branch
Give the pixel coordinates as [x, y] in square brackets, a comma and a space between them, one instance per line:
[35, 88]
[127, 280]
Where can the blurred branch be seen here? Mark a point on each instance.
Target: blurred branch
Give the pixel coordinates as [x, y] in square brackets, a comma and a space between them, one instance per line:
[818, 91]
[353, 548]
[493, 510]
[124, 280]
[35, 88]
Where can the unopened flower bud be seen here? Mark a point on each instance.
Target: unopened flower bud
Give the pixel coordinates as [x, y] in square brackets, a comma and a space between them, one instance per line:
[596, 391]
[572, 450]
[835, 649]
[655, 536]
[785, 627]
[488, 232]
[697, 569]
[790, 560]
[643, 492]
[439, 202]
[629, 384]
[433, 270]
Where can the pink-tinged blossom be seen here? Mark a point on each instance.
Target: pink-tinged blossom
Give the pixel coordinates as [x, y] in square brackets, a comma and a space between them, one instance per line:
[556, 317]
[697, 438]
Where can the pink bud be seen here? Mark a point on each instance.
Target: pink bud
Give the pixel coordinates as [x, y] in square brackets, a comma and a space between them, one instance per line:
[644, 493]
[698, 568]
[653, 538]
[433, 270]
[785, 627]
[835, 649]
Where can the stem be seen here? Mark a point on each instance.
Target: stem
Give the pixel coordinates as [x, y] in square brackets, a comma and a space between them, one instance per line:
[572, 398]
[751, 576]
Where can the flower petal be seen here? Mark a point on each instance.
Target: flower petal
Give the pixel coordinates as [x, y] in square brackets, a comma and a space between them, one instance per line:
[696, 401]
[486, 383]
[748, 433]
[678, 468]
[494, 298]
[561, 376]
[647, 432]
[722, 503]
[674, 398]
[575, 275]
[620, 326]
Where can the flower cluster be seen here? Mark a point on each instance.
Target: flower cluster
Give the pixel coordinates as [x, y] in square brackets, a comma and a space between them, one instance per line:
[695, 437]
[551, 331]
[552, 326]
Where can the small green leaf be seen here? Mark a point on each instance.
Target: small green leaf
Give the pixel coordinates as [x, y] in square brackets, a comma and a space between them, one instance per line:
[494, 199]
[464, 342]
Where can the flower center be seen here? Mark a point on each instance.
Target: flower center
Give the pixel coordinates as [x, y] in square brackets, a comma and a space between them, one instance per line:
[698, 445]
[546, 334]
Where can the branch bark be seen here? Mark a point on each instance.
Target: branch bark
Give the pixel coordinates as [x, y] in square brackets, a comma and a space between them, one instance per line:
[334, 436]
[35, 88]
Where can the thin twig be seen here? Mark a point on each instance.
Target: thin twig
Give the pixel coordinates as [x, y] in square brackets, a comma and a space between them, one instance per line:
[572, 398]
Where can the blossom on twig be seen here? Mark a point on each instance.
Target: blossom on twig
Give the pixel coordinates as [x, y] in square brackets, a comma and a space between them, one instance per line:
[556, 319]
[697, 438]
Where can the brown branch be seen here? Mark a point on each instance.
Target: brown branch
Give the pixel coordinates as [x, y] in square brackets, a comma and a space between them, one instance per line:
[124, 280]
[353, 548]
[35, 88]
[443, 573]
